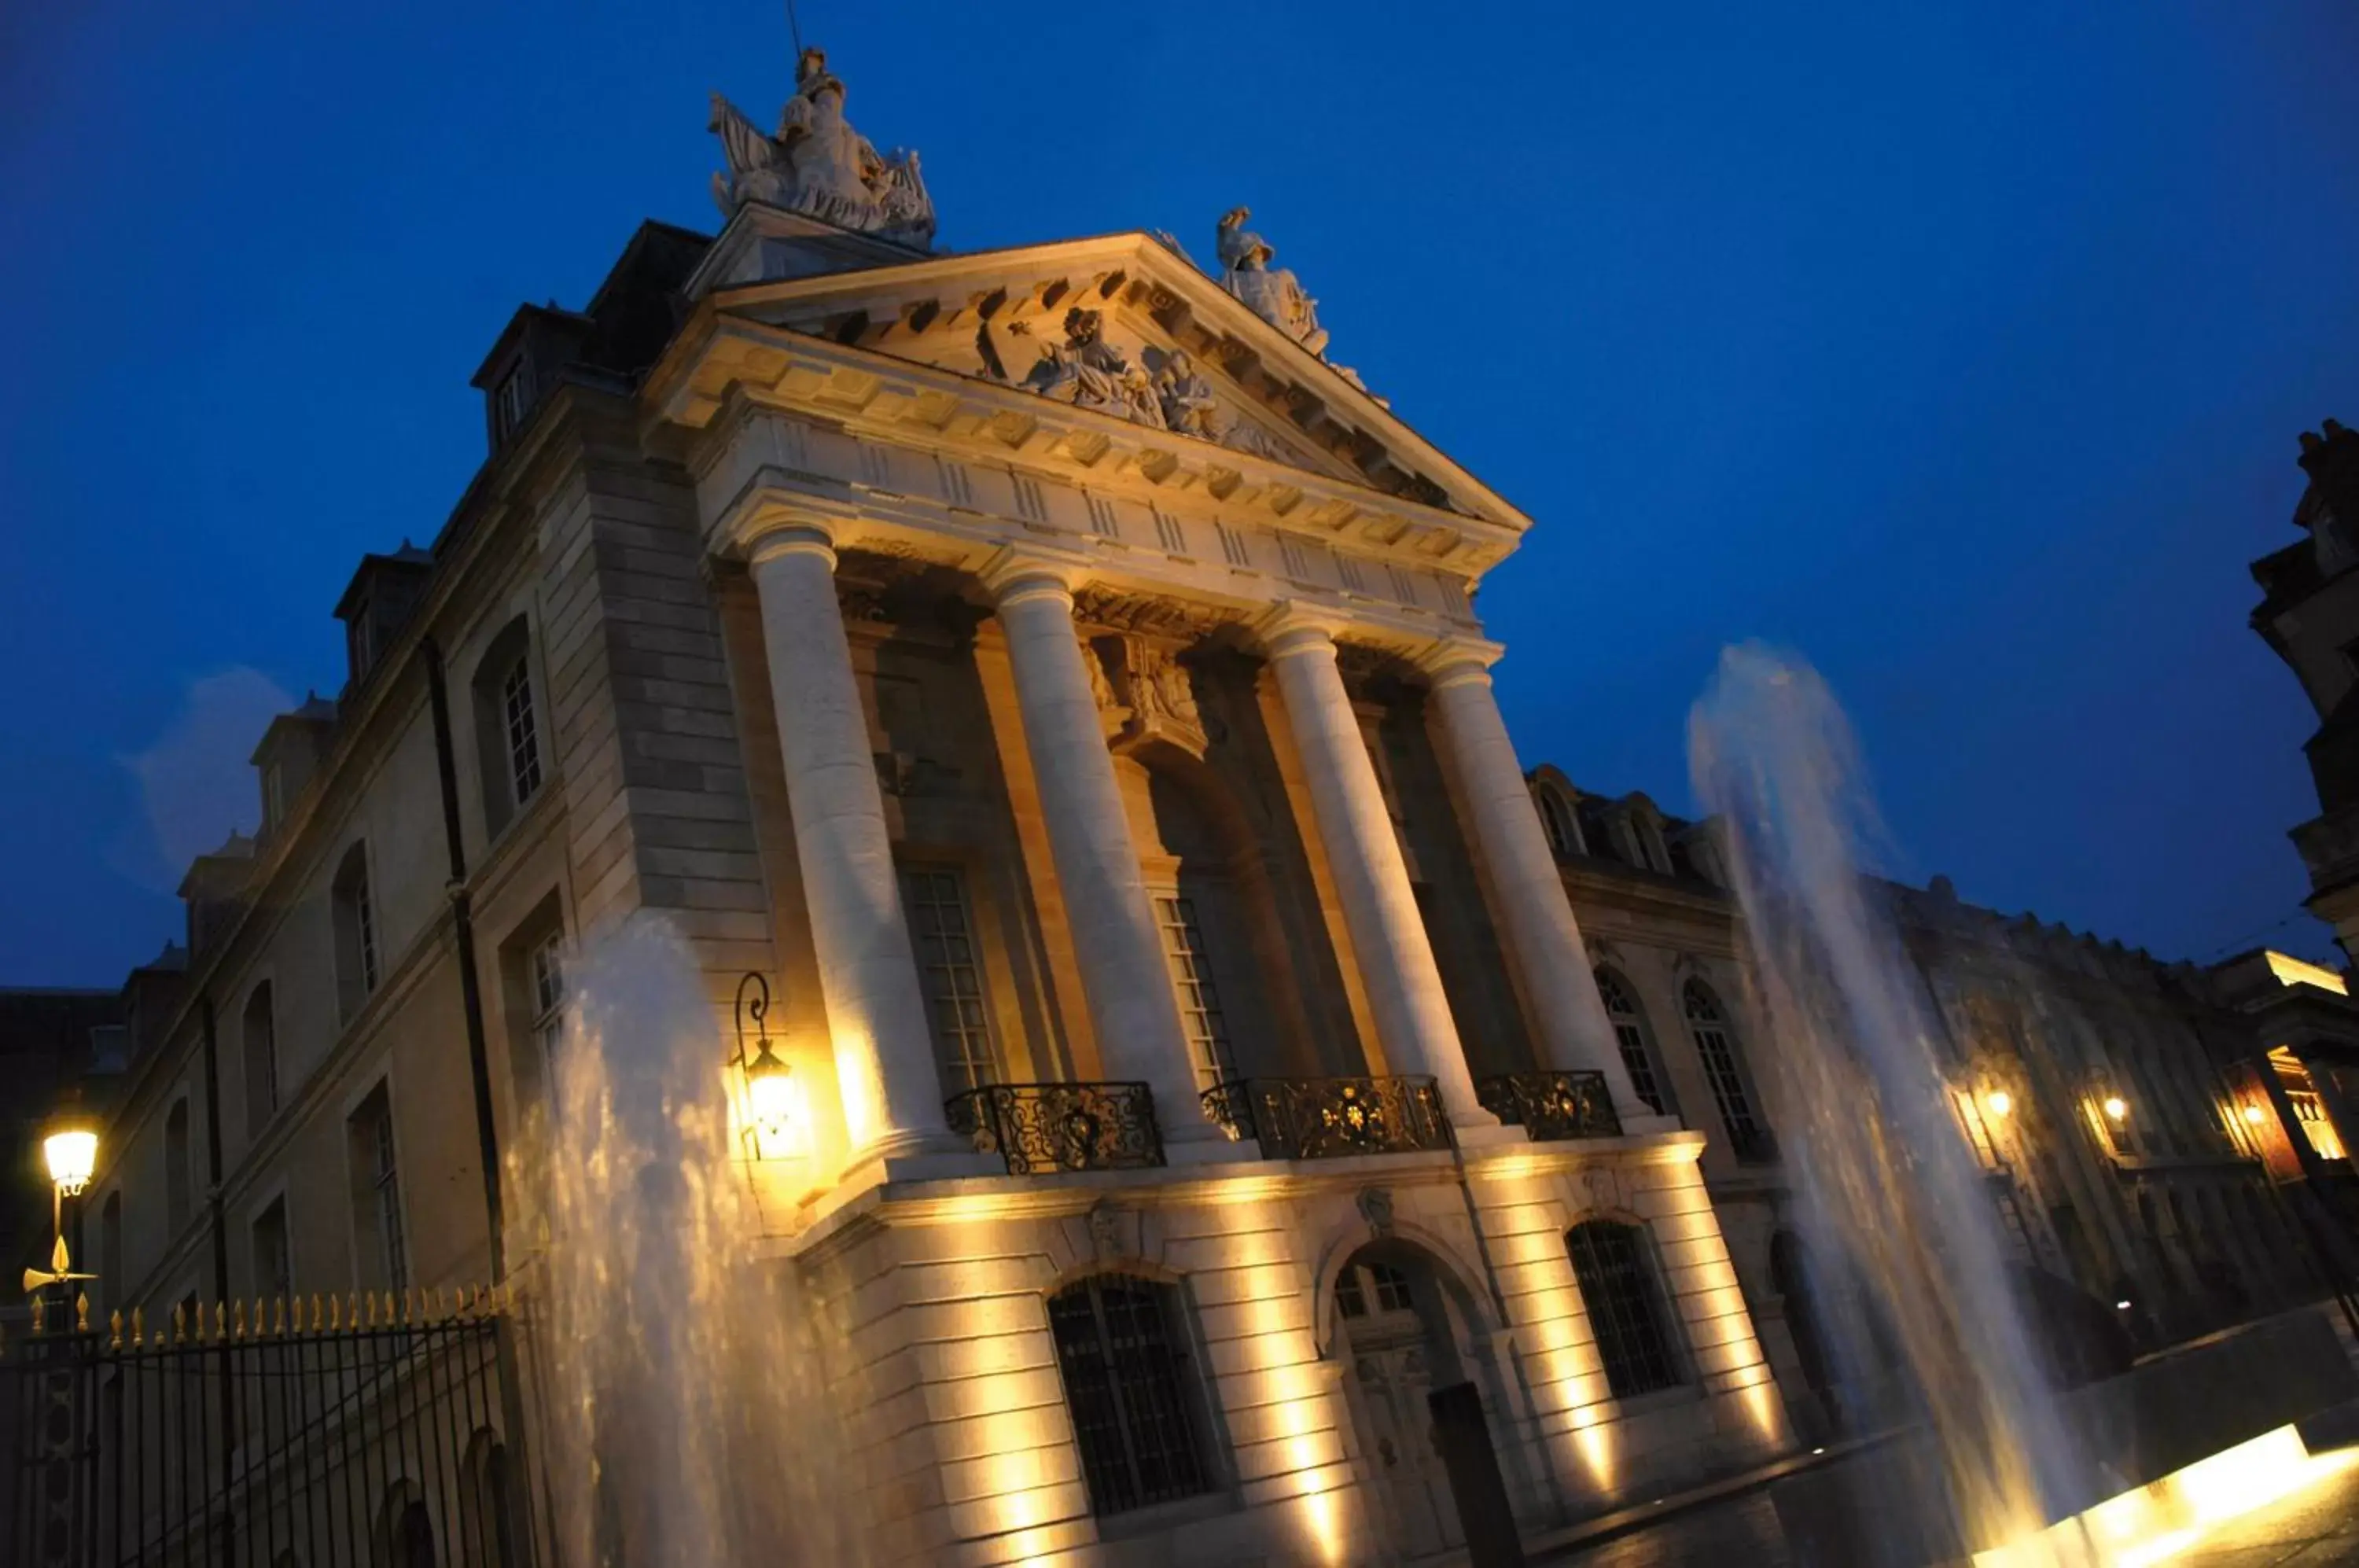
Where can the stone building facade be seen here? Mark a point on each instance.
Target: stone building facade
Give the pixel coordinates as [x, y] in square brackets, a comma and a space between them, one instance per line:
[1060, 680]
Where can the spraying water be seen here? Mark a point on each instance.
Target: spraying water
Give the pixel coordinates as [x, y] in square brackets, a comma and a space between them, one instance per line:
[1890, 1189]
[685, 1394]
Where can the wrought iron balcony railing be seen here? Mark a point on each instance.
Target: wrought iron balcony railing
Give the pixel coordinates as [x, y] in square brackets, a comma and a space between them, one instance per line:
[1324, 1118]
[1551, 1105]
[1061, 1127]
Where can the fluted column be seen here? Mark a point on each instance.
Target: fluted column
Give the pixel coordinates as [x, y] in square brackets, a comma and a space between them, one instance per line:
[1536, 920]
[1116, 943]
[1395, 960]
[868, 972]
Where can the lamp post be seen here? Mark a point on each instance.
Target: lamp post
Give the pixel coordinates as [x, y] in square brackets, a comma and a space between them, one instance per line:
[71, 1152]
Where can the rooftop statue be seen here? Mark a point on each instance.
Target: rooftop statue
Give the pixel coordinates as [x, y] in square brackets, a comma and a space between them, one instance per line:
[819, 165]
[1270, 292]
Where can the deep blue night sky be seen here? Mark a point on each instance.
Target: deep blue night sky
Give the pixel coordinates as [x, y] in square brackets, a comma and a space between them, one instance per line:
[1962, 349]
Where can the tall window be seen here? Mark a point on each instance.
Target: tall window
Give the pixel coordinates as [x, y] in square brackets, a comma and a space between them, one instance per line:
[523, 730]
[508, 724]
[1625, 1305]
[1200, 1001]
[1647, 1078]
[274, 1261]
[1748, 1137]
[1126, 1384]
[178, 1178]
[934, 899]
[110, 1248]
[260, 1042]
[382, 1250]
[544, 974]
[355, 921]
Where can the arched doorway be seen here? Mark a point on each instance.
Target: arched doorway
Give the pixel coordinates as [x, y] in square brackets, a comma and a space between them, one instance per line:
[1398, 1331]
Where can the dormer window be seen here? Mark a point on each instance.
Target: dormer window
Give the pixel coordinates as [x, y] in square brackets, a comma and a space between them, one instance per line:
[511, 401]
[274, 796]
[360, 638]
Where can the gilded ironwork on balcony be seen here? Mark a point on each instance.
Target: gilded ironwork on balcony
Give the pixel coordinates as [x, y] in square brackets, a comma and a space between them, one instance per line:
[1061, 1127]
[1551, 1105]
[1324, 1118]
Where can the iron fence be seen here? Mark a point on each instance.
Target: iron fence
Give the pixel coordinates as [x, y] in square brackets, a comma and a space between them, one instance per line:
[311, 1432]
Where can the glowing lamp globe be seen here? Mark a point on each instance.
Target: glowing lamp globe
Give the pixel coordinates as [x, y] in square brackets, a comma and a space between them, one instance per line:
[1998, 1102]
[770, 1091]
[2116, 1108]
[71, 1154]
[2254, 1115]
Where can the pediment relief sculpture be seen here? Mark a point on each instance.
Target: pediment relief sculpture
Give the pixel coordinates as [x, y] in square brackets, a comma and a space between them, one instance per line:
[1088, 372]
[819, 165]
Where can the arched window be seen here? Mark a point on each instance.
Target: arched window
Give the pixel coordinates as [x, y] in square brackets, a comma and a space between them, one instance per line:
[403, 1537]
[1597, 833]
[1625, 1305]
[1646, 1076]
[176, 1175]
[1127, 1383]
[260, 1041]
[355, 920]
[508, 724]
[1557, 819]
[1748, 1137]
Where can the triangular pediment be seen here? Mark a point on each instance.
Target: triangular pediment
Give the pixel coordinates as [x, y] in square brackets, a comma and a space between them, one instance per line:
[1173, 351]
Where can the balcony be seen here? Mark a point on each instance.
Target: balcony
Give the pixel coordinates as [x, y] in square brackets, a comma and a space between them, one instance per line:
[1331, 1119]
[1551, 1105]
[1061, 1127]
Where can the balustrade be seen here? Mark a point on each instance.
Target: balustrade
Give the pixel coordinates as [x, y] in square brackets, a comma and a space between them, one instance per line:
[1552, 1105]
[1062, 1126]
[1325, 1118]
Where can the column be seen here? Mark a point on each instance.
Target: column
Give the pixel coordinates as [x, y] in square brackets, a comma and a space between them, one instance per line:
[1536, 922]
[867, 969]
[1116, 940]
[1397, 965]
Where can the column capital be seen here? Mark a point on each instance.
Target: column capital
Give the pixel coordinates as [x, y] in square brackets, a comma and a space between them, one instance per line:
[789, 536]
[1459, 661]
[1016, 573]
[1289, 628]
[757, 513]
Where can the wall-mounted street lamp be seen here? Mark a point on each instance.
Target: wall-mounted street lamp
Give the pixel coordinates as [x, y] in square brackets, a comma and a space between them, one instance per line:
[2255, 1116]
[770, 1090]
[2116, 1108]
[1998, 1102]
[71, 1151]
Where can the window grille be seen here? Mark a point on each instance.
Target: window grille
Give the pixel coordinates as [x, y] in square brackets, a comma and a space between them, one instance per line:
[1126, 1384]
[1388, 1285]
[1625, 1309]
[523, 730]
[935, 901]
[352, 892]
[1746, 1136]
[510, 402]
[1200, 1001]
[1630, 1035]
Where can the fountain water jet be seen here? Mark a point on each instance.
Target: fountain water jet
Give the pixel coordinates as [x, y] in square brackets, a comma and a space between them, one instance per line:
[685, 1386]
[1892, 1194]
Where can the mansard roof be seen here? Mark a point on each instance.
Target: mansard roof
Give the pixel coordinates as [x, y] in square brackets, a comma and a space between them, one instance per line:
[981, 320]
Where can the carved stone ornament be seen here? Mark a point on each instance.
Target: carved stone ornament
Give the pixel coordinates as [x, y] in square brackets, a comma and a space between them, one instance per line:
[1087, 371]
[1187, 397]
[819, 165]
[1105, 1231]
[1273, 293]
[1376, 1207]
[1110, 608]
[1144, 694]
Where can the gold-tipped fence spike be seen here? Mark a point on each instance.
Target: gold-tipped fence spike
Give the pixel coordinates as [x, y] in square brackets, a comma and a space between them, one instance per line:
[335, 1318]
[441, 1304]
[239, 1319]
[315, 1312]
[139, 1325]
[278, 1315]
[220, 1322]
[41, 1312]
[114, 1330]
[180, 1322]
[82, 1313]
